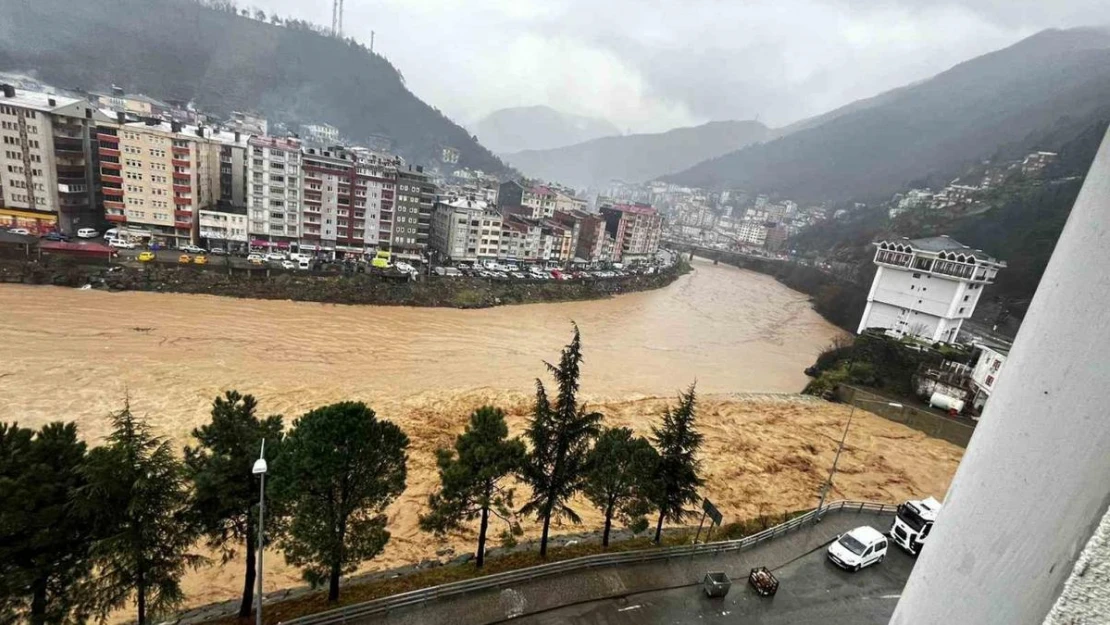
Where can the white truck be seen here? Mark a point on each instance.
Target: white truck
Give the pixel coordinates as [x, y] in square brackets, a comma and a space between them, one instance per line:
[913, 524]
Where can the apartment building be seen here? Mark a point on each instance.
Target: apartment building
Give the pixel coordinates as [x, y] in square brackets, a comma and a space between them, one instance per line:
[47, 175]
[320, 134]
[466, 230]
[594, 244]
[274, 193]
[540, 200]
[224, 226]
[349, 200]
[753, 232]
[156, 176]
[415, 204]
[635, 228]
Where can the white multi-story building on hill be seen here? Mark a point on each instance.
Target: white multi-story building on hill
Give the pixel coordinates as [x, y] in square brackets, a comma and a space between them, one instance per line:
[926, 287]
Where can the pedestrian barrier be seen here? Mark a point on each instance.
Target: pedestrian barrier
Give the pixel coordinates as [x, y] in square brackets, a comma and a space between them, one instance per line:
[508, 578]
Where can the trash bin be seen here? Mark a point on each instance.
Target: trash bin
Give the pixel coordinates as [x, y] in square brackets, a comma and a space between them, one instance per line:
[764, 582]
[716, 584]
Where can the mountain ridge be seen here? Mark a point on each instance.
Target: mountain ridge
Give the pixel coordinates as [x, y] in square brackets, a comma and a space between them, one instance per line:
[539, 127]
[1030, 95]
[637, 157]
[225, 61]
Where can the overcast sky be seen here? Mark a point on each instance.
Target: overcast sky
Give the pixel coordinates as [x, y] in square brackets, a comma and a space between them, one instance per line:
[650, 65]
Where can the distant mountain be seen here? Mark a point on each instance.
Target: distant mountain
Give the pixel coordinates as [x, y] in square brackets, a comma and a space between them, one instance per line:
[1032, 95]
[538, 128]
[224, 61]
[636, 158]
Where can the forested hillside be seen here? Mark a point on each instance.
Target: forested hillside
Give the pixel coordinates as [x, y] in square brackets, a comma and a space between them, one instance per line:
[225, 61]
[1032, 95]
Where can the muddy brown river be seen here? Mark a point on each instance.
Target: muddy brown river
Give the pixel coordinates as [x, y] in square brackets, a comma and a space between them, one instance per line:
[76, 354]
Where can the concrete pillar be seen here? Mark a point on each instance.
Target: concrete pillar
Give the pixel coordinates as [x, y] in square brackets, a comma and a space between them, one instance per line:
[1035, 481]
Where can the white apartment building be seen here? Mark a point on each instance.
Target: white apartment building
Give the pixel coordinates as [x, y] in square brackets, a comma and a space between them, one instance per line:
[225, 228]
[926, 287]
[274, 192]
[323, 134]
[155, 177]
[465, 230]
[985, 374]
[47, 180]
[752, 232]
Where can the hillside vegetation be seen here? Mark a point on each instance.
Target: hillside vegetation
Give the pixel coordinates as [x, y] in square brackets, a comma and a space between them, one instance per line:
[224, 61]
[1035, 94]
[637, 158]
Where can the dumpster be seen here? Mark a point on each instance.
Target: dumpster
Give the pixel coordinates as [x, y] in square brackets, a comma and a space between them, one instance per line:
[763, 581]
[716, 584]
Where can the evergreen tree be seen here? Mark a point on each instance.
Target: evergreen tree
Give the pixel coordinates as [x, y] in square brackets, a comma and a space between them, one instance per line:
[225, 491]
[138, 499]
[470, 477]
[560, 436]
[341, 466]
[676, 475]
[618, 478]
[43, 543]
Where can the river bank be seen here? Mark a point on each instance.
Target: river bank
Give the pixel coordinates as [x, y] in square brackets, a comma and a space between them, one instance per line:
[360, 288]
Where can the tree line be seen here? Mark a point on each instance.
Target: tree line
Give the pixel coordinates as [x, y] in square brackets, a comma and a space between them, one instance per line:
[85, 532]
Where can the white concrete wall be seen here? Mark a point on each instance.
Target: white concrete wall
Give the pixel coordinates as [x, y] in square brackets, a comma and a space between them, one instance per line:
[1034, 483]
[1086, 596]
[925, 293]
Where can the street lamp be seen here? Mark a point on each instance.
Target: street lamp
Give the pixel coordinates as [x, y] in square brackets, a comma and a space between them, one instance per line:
[260, 470]
[828, 483]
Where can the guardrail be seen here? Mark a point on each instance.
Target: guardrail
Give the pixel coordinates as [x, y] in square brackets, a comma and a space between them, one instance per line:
[497, 580]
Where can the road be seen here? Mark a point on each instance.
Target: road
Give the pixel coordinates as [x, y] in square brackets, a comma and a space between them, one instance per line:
[811, 590]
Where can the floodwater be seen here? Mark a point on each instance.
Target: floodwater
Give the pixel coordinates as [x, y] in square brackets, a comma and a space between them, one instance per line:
[67, 354]
[72, 354]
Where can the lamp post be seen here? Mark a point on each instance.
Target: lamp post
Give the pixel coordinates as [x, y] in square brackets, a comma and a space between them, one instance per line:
[828, 483]
[260, 470]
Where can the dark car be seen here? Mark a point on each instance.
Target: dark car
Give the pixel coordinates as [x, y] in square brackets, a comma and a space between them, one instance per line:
[54, 235]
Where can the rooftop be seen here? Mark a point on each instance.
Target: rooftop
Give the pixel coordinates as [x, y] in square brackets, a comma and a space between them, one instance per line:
[38, 101]
[936, 245]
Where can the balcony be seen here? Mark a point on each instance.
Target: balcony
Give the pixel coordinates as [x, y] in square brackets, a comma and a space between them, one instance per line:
[180, 149]
[104, 151]
[119, 219]
[183, 201]
[105, 137]
[69, 145]
[897, 259]
[184, 225]
[177, 162]
[182, 215]
[182, 188]
[113, 191]
[111, 178]
[73, 188]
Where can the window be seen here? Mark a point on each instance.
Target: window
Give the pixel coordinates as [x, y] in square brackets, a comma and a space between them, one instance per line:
[966, 297]
[961, 310]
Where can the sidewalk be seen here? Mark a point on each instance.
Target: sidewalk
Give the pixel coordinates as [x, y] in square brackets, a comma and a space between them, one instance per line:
[496, 605]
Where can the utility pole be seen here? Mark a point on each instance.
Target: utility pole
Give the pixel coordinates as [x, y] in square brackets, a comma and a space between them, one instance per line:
[371, 42]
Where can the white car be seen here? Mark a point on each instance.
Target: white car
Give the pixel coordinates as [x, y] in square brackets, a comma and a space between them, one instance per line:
[87, 233]
[858, 548]
[22, 231]
[122, 244]
[303, 264]
[192, 249]
[275, 257]
[288, 264]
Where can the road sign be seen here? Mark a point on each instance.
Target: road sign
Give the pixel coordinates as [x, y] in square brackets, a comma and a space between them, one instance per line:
[712, 511]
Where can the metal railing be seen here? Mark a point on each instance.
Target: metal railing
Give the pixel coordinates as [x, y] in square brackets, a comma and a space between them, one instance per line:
[508, 578]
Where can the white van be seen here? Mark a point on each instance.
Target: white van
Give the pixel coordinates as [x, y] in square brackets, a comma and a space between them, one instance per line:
[858, 548]
[303, 264]
[87, 233]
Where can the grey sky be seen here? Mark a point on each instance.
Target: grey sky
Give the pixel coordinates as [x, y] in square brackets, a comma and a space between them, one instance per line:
[650, 65]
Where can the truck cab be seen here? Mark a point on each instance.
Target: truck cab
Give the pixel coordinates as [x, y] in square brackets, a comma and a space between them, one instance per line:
[913, 524]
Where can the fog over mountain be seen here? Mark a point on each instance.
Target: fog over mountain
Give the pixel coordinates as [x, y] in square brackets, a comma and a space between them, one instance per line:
[537, 128]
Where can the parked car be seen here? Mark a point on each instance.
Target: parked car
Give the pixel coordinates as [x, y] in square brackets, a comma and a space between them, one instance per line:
[192, 249]
[122, 244]
[255, 260]
[276, 257]
[111, 233]
[185, 259]
[87, 233]
[22, 231]
[858, 548]
[304, 264]
[146, 257]
[200, 259]
[54, 235]
[218, 251]
[288, 264]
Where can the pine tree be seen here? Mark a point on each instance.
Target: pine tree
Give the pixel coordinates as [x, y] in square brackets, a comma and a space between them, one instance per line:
[618, 479]
[226, 492]
[560, 437]
[341, 466]
[138, 499]
[44, 544]
[470, 477]
[676, 476]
